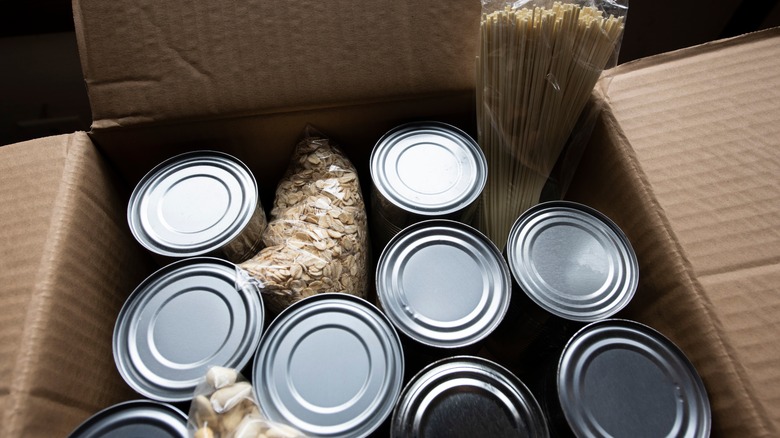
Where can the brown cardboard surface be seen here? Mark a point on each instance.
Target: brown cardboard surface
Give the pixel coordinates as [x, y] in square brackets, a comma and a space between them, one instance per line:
[68, 262]
[150, 61]
[684, 159]
[20, 213]
[702, 125]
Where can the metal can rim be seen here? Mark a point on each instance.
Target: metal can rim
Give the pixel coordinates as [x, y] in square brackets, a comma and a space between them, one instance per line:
[415, 390]
[382, 406]
[411, 325]
[611, 299]
[687, 381]
[134, 370]
[170, 412]
[454, 206]
[212, 245]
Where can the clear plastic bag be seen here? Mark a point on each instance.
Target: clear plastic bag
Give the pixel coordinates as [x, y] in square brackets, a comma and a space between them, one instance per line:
[538, 64]
[224, 406]
[317, 238]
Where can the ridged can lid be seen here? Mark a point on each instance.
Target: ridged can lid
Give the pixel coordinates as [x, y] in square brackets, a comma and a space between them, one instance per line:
[183, 319]
[133, 419]
[622, 378]
[192, 204]
[428, 168]
[467, 396]
[572, 261]
[330, 365]
[443, 283]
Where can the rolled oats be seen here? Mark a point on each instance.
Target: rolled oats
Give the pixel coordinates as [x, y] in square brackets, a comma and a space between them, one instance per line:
[317, 239]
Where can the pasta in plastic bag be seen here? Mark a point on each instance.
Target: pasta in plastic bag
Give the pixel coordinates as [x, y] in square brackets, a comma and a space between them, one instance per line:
[317, 238]
[538, 64]
[224, 406]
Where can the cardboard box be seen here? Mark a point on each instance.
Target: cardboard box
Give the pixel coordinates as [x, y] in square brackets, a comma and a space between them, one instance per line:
[684, 159]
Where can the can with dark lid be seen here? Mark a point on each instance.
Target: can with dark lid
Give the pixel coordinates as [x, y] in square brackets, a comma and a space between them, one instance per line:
[183, 319]
[571, 265]
[424, 170]
[466, 396]
[330, 365]
[445, 286]
[132, 419]
[622, 378]
[196, 204]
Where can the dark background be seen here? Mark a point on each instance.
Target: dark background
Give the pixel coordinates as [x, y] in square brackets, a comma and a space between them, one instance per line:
[42, 91]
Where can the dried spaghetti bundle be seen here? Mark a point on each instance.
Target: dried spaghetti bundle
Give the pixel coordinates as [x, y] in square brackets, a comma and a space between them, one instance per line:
[535, 73]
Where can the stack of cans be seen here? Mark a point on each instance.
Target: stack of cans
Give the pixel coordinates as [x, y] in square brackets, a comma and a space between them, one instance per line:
[199, 213]
[463, 340]
[571, 265]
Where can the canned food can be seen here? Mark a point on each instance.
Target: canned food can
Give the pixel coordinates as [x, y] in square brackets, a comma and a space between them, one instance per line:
[195, 204]
[132, 419]
[183, 319]
[444, 285]
[622, 378]
[571, 265]
[330, 365]
[425, 170]
[465, 396]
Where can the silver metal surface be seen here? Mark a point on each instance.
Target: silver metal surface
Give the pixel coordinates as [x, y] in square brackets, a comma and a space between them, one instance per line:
[621, 378]
[426, 170]
[331, 366]
[572, 261]
[466, 396]
[443, 283]
[195, 204]
[183, 319]
[134, 419]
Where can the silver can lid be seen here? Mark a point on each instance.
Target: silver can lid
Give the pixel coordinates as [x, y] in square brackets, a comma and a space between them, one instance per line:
[430, 169]
[132, 419]
[572, 261]
[192, 204]
[443, 283]
[621, 378]
[467, 396]
[330, 365]
[183, 319]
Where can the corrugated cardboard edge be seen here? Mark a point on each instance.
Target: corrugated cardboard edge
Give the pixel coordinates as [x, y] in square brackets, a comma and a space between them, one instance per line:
[669, 298]
[38, 406]
[687, 52]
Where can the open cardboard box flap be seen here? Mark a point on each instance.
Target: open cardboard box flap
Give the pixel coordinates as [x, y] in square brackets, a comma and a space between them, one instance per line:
[247, 79]
[147, 62]
[66, 266]
[686, 158]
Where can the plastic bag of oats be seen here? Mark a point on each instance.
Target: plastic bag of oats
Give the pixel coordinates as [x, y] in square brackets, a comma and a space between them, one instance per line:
[317, 237]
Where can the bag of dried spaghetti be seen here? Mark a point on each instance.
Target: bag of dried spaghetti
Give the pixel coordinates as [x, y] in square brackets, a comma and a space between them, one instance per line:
[317, 238]
[537, 67]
